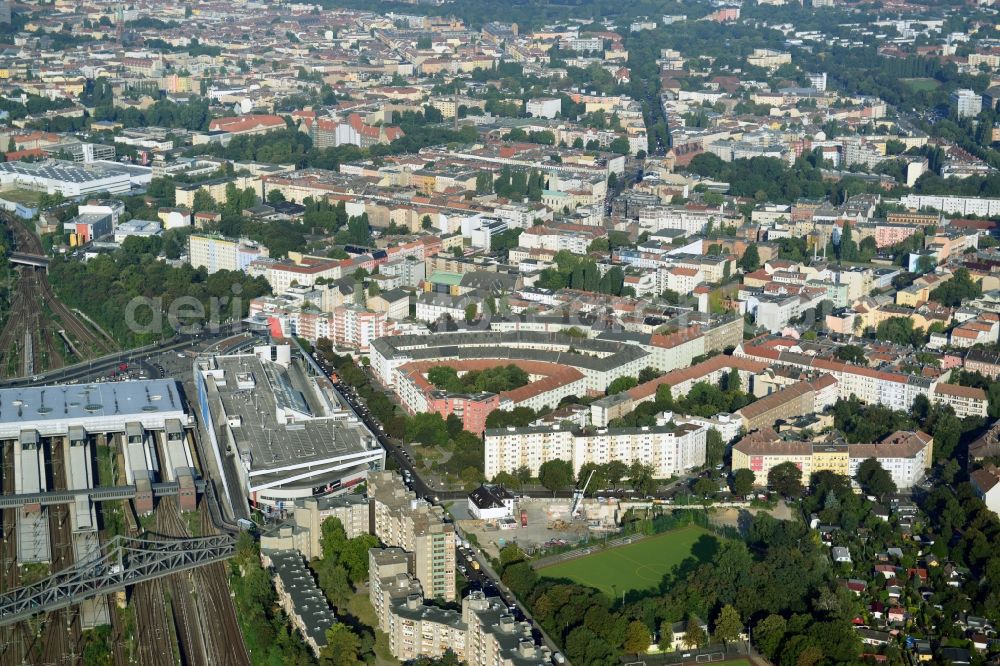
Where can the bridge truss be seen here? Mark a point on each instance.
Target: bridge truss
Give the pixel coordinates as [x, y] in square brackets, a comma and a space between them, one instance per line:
[123, 561]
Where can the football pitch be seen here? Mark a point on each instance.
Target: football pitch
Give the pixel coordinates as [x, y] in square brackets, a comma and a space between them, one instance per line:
[637, 566]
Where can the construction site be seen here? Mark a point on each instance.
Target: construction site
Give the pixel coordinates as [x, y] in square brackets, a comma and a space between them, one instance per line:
[107, 524]
[547, 523]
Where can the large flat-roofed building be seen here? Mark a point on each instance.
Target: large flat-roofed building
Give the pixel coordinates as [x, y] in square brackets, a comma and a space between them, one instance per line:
[71, 179]
[104, 408]
[418, 527]
[291, 435]
[133, 417]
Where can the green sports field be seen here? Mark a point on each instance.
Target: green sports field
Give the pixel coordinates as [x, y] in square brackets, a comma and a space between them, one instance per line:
[637, 566]
[921, 84]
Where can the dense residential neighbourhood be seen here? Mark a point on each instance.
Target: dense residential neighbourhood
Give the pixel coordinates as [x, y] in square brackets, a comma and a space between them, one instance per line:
[461, 332]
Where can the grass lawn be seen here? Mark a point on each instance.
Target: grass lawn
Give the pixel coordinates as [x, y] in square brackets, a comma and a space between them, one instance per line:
[360, 607]
[27, 197]
[921, 84]
[637, 566]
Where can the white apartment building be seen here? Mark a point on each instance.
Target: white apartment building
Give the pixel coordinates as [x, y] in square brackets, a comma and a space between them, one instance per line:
[768, 59]
[953, 205]
[304, 532]
[480, 230]
[669, 449]
[281, 274]
[600, 361]
[681, 279]
[873, 387]
[966, 102]
[658, 218]
[775, 313]
[817, 80]
[218, 253]
[965, 400]
[555, 240]
[346, 325]
[410, 270]
[544, 107]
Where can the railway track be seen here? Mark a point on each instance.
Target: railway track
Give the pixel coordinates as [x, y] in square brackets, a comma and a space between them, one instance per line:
[225, 637]
[61, 636]
[154, 631]
[183, 608]
[35, 312]
[17, 644]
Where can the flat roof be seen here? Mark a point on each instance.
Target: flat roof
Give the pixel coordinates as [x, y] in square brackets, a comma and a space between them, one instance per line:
[273, 445]
[68, 172]
[95, 407]
[308, 602]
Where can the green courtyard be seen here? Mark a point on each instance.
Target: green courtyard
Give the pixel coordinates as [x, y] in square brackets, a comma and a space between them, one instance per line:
[637, 566]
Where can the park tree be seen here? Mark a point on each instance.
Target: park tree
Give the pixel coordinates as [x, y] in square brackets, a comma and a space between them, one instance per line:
[785, 479]
[615, 471]
[622, 384]
[203, 201]
[874, 479]
[715, 447]
[354, 556]
[523, 475]
[728, 626]
[768, 634]
[751, 259]
[648, 374]
[597, 482]
[694, 635]
[506, 479]
[848, 248]
[470, 312]
[664, 397]
[555, 475]
[742, 483]
[731, 381]
[637, 638]
[343, 647]
[704, 487]
[427, 428]
[640, 476]
[852, 354]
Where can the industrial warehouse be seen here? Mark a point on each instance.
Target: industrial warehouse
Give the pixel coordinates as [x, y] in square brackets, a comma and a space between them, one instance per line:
[290, 435]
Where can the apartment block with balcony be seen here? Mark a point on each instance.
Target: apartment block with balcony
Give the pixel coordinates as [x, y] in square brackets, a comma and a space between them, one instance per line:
[482, 634]
[401, 520]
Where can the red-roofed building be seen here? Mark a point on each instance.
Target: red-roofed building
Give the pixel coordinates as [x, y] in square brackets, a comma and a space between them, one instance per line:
[251, 124]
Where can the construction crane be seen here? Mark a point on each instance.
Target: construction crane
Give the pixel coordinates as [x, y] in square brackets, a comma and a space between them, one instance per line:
[578, 496]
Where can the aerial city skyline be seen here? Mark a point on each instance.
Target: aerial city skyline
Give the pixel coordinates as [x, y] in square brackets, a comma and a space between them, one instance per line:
[439, 332]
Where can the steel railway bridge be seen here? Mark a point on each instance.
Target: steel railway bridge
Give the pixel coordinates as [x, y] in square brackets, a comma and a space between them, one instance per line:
[124, 561]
